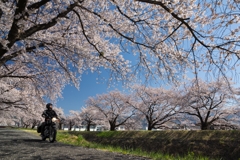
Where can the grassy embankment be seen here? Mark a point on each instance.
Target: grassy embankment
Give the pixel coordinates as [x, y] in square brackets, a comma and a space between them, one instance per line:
[164, 145]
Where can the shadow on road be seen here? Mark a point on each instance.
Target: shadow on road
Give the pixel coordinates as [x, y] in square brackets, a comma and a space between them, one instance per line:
[33, 140]
[16, 144]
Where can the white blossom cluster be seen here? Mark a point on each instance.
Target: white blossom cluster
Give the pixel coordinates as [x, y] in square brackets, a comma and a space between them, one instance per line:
[50, 43]
[197, 104]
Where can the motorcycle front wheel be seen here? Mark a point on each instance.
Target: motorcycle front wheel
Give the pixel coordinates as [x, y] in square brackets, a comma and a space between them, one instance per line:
[44, 136]
[52, 134]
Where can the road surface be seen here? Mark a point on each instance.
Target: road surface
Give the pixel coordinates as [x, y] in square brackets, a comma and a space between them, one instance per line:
[20, 145]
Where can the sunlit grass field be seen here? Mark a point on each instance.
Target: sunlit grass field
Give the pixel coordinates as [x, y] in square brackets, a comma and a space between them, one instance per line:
[77, 139]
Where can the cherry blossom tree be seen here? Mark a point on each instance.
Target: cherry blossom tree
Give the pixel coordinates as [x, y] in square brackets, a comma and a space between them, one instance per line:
[235, 118]
[18, 94]
[10, 97]
[51, 43]
[211, 103]
[71, 120]
[22, 117]
[114, 106]
[7, 118]
[35, 123]
[203, 35]
[156, 105]
[89, 116]
[31, 117]
[46, 44]
[20, 105]
[134, 123]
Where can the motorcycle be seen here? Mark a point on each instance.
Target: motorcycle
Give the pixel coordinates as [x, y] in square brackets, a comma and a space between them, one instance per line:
[50, 130]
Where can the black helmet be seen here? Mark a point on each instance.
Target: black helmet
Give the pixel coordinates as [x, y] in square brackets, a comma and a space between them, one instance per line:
[48, 106]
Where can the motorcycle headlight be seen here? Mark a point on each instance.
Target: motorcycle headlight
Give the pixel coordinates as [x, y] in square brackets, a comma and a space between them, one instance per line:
[54, 119]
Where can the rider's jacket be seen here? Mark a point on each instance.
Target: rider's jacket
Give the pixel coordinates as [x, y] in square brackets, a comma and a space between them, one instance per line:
[49, 114]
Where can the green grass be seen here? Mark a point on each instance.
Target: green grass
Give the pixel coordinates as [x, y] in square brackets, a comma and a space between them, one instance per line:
[77, 139]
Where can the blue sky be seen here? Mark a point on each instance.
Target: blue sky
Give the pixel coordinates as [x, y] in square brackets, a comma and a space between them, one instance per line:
[91, 84]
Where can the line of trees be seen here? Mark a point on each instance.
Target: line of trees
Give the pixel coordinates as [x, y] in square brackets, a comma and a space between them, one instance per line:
[196, 103]
[203, 104]
[47, 44]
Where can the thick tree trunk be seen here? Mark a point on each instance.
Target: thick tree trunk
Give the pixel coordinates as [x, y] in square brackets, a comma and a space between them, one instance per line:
[88, 127]
[34, 124]
[60, 126]
[71, 124]
[150, 127]
[112, 128]
[204, 126]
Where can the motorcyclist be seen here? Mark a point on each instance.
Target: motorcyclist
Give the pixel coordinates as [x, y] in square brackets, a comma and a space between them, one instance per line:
[48, 113]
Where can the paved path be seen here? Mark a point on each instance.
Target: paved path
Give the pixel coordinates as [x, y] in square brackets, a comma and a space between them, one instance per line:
[17, 144]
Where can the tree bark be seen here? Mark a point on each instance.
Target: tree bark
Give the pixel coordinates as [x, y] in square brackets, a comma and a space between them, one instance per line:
[88, 127]
[112, 128]
[204, 126]
[150, 127]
